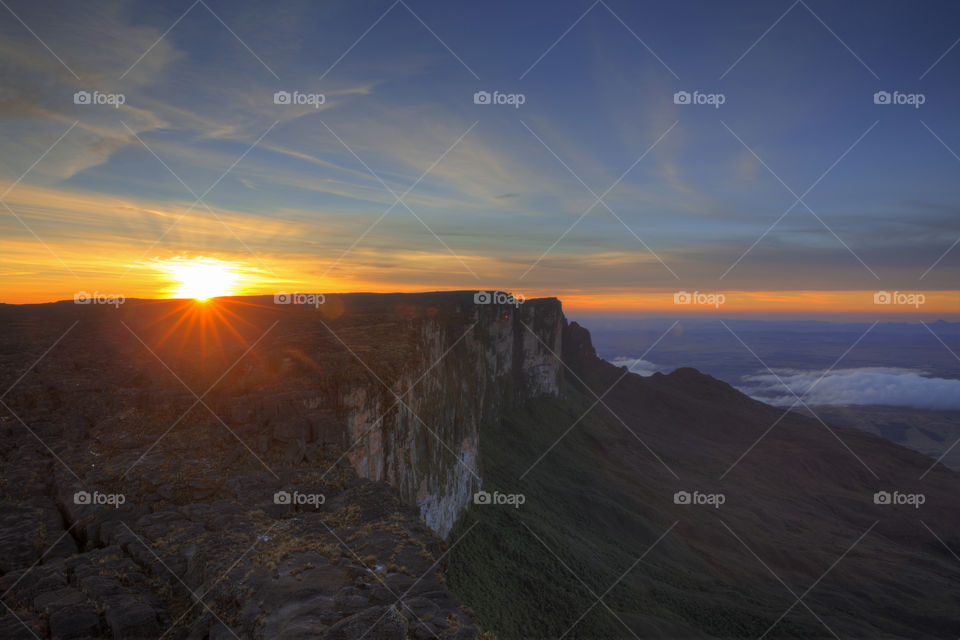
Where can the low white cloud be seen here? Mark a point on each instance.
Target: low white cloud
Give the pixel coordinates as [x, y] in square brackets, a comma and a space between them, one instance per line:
[870, 385]
[640, 367]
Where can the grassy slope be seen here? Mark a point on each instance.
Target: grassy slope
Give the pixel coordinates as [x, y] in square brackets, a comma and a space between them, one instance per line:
[930, 432]
[599, 500]
[519, 589]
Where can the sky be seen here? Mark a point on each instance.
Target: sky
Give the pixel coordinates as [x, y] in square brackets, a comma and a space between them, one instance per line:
[788, 182]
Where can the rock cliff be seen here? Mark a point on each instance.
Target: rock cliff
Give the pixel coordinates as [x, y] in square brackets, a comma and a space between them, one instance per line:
[400, 384]
[242, 468]
[421, 433]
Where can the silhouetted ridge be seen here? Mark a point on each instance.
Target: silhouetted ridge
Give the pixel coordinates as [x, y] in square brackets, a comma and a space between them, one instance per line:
[578, 351]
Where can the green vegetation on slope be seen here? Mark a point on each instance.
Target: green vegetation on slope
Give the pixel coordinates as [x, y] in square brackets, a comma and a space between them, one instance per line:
[500, 567]
[520, 589]
[597, 498]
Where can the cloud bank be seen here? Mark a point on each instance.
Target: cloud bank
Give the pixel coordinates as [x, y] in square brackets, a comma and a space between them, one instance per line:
[862, 386]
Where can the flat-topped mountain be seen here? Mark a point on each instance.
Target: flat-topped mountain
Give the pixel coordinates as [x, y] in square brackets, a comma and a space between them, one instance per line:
[299, 463]
[433, 465]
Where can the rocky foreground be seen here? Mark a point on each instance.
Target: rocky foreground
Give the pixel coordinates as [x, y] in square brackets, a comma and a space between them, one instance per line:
[176, 470]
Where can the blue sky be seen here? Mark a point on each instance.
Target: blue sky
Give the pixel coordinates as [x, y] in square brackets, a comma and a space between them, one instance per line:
[797, 79]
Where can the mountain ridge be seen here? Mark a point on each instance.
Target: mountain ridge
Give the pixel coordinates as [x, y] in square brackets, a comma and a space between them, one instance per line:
[242, 487]
[799, 513]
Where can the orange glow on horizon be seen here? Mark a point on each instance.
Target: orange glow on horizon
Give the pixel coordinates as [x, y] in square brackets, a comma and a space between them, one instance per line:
[203, 279]
[803, 303]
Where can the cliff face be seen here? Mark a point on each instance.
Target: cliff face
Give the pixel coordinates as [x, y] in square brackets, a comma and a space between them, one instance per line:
[270, 442]
[422, 435]
[397, 385]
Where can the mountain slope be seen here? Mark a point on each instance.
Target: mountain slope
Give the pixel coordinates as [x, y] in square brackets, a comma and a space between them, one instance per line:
[930, 431]
[799, 508]
[262, 479]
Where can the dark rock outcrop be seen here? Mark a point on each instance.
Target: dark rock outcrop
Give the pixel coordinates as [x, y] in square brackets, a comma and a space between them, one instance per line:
[244, 469]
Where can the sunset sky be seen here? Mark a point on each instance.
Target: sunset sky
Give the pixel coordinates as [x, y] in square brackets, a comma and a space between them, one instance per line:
[199, 166]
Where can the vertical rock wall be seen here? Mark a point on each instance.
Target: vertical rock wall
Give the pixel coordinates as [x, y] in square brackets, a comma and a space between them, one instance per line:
[427, 443]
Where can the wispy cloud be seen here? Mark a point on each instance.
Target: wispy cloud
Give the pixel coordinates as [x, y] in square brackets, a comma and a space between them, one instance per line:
[199, 99]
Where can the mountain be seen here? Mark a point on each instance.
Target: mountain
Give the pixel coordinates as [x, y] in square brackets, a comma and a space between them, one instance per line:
[788, 513]
[264, 470]
[929, 431]
[432, 465]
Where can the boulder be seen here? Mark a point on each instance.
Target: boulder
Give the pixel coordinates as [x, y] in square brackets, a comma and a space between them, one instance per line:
[74, 622]
[131, 619]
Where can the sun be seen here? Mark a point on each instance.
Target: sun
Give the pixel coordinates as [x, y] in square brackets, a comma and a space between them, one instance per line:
[202, 279]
